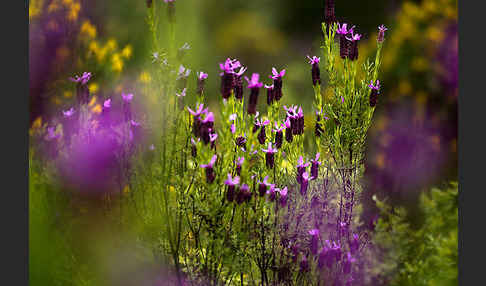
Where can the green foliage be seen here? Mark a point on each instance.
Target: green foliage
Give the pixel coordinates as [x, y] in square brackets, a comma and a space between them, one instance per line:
[423, 255]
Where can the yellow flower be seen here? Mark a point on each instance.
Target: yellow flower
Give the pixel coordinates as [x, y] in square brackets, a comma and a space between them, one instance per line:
[93, 87]
[68, 94]
[126, 190]
[37, 123]
[434, 34]
[97, 109]
[404, 88]
[88, 29]
[35, 7]
[419, 64]
[94, 47]
[145, 77]
[116, 63]
[74, 12]
[92, 101]
[127, 51]
[111, 45]
[53, 7]
[67, 2]
[100, 55]
[380, 161]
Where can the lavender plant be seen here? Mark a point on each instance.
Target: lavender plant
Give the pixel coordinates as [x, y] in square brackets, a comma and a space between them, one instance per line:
[232, 202]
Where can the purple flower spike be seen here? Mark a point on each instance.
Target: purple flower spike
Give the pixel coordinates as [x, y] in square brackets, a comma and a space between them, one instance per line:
[304, 265]
[127, 97]
[244, 194]
[375, 91]
[315, 166]
[68, 113]
[255, 86]
[262, 186]
[304, 183]
[83, 79]
[288, 131]
[201, 77]
[277, 83]
[270, 93]
[283, 197]
[301, 169]
[353, 48]
[272, 193]
[51, 134]
[314, 240]
[239, 164]
[227, 76]
[348, 263]
[381, 33]
[231, 183]
[315, 71]
[269, 155]
[210, 176]
[194, 147]
[330, 16]
[183, 72]
[344, 43]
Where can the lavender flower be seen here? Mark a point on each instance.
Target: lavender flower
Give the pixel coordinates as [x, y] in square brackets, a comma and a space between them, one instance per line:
[315, 166]
[330, 17]
[270, 93]
[196, 126]
[304, 184]
[68, 113]
[182, 50]
[170, 10]
[227, 76]
[231, 183]
[206, 127]
[272, 193]
[51, 134]
[238, 84]
[210, 175]
[83, 79]
[348, 263]
[107, 104]
[314, 240]
[270, 155]
[283, 197]
[82, 90]
[354, 244]
[316, 72]
[344, 43]
[127, 99]
[262, 186]
[300, 122]
[180, 97]
[278, 135]
[288, 131]
[318, 128]
[375, 91]
[304, 265]
[182, 76]
[239, 164]
[381, 33]
[262, 135]
[254, 85]
[353, 50]
[201, 78]
[240, 141]
[301, 169]
[244, 194]
[277, 83]
[194, 147]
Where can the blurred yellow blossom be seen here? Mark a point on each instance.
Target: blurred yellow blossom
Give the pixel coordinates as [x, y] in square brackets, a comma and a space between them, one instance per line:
[74, 11]
[92, 101]
[127, 51]
[97, 109]
[111, 45]
[87, 29]
[434, 34]
[68, 94]
[405, 88]
[380, 160]
[53, 7]
[145, 77]
[419, 64]
[93, 87]
[116, 63]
